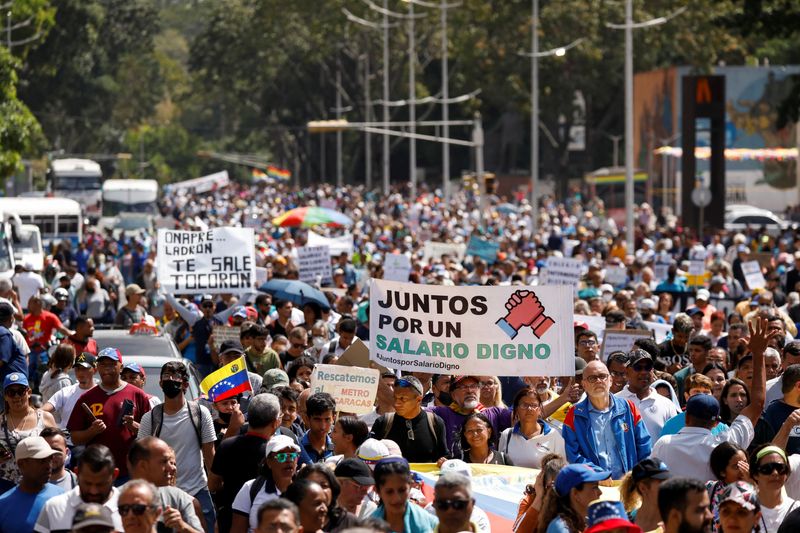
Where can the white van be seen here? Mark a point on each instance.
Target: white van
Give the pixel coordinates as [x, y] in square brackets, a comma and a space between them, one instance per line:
[129, 196]
[80, 180]
[28, 247]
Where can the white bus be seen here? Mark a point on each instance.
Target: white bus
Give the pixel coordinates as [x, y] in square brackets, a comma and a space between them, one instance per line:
[80, 180]
[129, 196]
[58, 219]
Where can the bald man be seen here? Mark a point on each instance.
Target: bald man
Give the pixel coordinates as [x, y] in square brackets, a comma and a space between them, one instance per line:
[603, 429]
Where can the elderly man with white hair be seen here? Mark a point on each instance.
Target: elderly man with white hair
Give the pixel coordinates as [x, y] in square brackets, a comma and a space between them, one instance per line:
[139, 506]
[454, 503]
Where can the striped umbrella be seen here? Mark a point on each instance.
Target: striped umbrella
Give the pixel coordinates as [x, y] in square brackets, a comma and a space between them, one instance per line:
[307, 217]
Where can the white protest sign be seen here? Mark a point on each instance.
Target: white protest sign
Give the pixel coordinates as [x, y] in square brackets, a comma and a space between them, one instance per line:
[660, 271]
[616, 275]
[753, 276]
[354, 389]
[562, 271]
[476, 330]
[396, 267]
[434, 250]
[660, 330]
[219, 260]
[200, 185]
[336, 245]
[597, 324]
[697, 268]
[314, 262]
[225, 333]
[621, 340]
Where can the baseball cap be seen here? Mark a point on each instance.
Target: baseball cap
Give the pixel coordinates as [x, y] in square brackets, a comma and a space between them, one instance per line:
[615, 317]
[132, 289]
[92, 514]
[274, 377]
[34, 448]
[742, 493]
[607, 515]
[457, 380]
[703, 294]
[135, 367]
[241, 312]
[111, 353]
[573, 475]
[61, 294]
[86, 360]
[15, 378]
[280, 442]
[409, 382]
[650, 468]
[647, 303]
[703, 407]
[354, 469]
[231, 347]
[743, 248]
[636, 355]
[580, 364]
[694, 311]
[456, 465]
[206, 298]
[371, 451]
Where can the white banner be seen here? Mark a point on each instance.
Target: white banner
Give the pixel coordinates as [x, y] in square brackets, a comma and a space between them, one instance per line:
[220, 260]
[433, 250]
[753, 276]
[314, 264]
[616, 275]
[354, 389]
[621, 340]
[396, 267]
[497, 331]
[336, 245]
[562, 271]
[200, 185]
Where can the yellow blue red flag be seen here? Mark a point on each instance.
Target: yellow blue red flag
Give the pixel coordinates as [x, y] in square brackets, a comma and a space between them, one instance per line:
[227, 382]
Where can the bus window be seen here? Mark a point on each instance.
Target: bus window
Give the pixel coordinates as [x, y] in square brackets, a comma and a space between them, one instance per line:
[47, 224]
[67, 225]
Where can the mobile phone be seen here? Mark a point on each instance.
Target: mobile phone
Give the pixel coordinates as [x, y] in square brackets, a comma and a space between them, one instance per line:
[127, 409]
[88, 411]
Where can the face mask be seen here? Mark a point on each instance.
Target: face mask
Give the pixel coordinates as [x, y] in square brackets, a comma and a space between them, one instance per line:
[445, 398]
[319, 342]
[225, 417]
[171, 388]
[607, 296]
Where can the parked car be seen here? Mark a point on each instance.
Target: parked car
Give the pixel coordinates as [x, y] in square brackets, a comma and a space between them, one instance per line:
[140, 345]
[741, 217]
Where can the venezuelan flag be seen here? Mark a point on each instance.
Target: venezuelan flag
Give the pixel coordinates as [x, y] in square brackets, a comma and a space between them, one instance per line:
[258, 174]
[227, 381]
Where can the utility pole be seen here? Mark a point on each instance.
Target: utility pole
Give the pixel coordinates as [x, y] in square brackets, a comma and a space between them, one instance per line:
[412, 95]
[535, 116]
[339, 172]
[368, 118]
[445, 107]
[386, 144]
[629, 241]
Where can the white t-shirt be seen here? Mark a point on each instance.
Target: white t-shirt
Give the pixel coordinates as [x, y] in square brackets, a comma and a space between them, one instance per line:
[528, 453]
[793, 483]
[773, 518]
[64, 401]
[28, 284]
[57, 513]
[243, 505]
[655, 410]
[177, 431]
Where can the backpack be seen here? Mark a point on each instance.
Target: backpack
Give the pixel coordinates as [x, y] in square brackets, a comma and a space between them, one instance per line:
[195, 416]
[431, 425]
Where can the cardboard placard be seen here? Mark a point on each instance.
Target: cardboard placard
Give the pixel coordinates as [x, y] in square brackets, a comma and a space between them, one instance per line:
[396, 267]
[336, 245]
[314, 264]
[225, 333]
[616, 275]
[357, 354]
[562, 271]
[753, 276]
[621, 340]
[353, 389]
[434, 250]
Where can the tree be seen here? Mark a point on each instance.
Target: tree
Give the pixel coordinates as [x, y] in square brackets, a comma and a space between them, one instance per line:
[19, 131]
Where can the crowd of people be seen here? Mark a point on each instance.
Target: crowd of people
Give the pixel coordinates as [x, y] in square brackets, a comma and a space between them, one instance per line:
[693, 432]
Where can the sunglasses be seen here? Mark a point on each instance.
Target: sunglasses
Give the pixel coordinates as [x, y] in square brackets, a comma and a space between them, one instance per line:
[642, 368]
[286, 457]
[207, 306]
[768, 468]
[410, 429]
[136, 508]
[12, 393]
[444, 505]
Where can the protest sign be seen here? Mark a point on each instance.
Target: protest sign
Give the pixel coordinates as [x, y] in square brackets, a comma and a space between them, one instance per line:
[357, 354]
[225, 333]
[396, 267]
[659, 330]
[562, 271]
[336, 245]
[616, 275]
[199, 185]
[696, 276]
[482, 248]
[597, 324]
[753, 276]
[353, 389]
[435, 250]
[314, 264]
[621, 340]
[478, 330]
[219, 260]
[569, 247]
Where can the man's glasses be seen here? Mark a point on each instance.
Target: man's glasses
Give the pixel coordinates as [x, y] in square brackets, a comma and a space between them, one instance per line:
[410, 429]
[587, 344]
[15, 392]
[642, 368]
[596, 378]
[286, 457]
[207, 306]
[473, 386]
[768, 468]
[136, 508]
[444, 505]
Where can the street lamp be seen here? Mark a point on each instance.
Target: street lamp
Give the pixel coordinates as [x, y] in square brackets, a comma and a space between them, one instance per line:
[629, 26]
[535, 54]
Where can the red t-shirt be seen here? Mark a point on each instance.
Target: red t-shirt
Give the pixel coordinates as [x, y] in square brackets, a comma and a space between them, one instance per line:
[89, 346]
[40, 327]
[108, 408]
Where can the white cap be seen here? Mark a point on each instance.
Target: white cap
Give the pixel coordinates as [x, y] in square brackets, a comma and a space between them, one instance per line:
[280, 442]
[371, 451]
[456, 465]
[34, 448]
[703, 294]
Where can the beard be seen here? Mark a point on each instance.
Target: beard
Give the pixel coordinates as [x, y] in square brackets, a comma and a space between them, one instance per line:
[471, 403]
[685, 527]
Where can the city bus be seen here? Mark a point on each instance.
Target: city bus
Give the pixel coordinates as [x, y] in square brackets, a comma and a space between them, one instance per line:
[58, 219]
[129, 196]
[80, 180]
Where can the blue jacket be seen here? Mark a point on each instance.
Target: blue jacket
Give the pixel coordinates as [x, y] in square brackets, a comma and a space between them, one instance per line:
[629, 432]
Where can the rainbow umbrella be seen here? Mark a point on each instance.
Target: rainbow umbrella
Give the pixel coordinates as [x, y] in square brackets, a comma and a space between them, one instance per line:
[307, 217]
